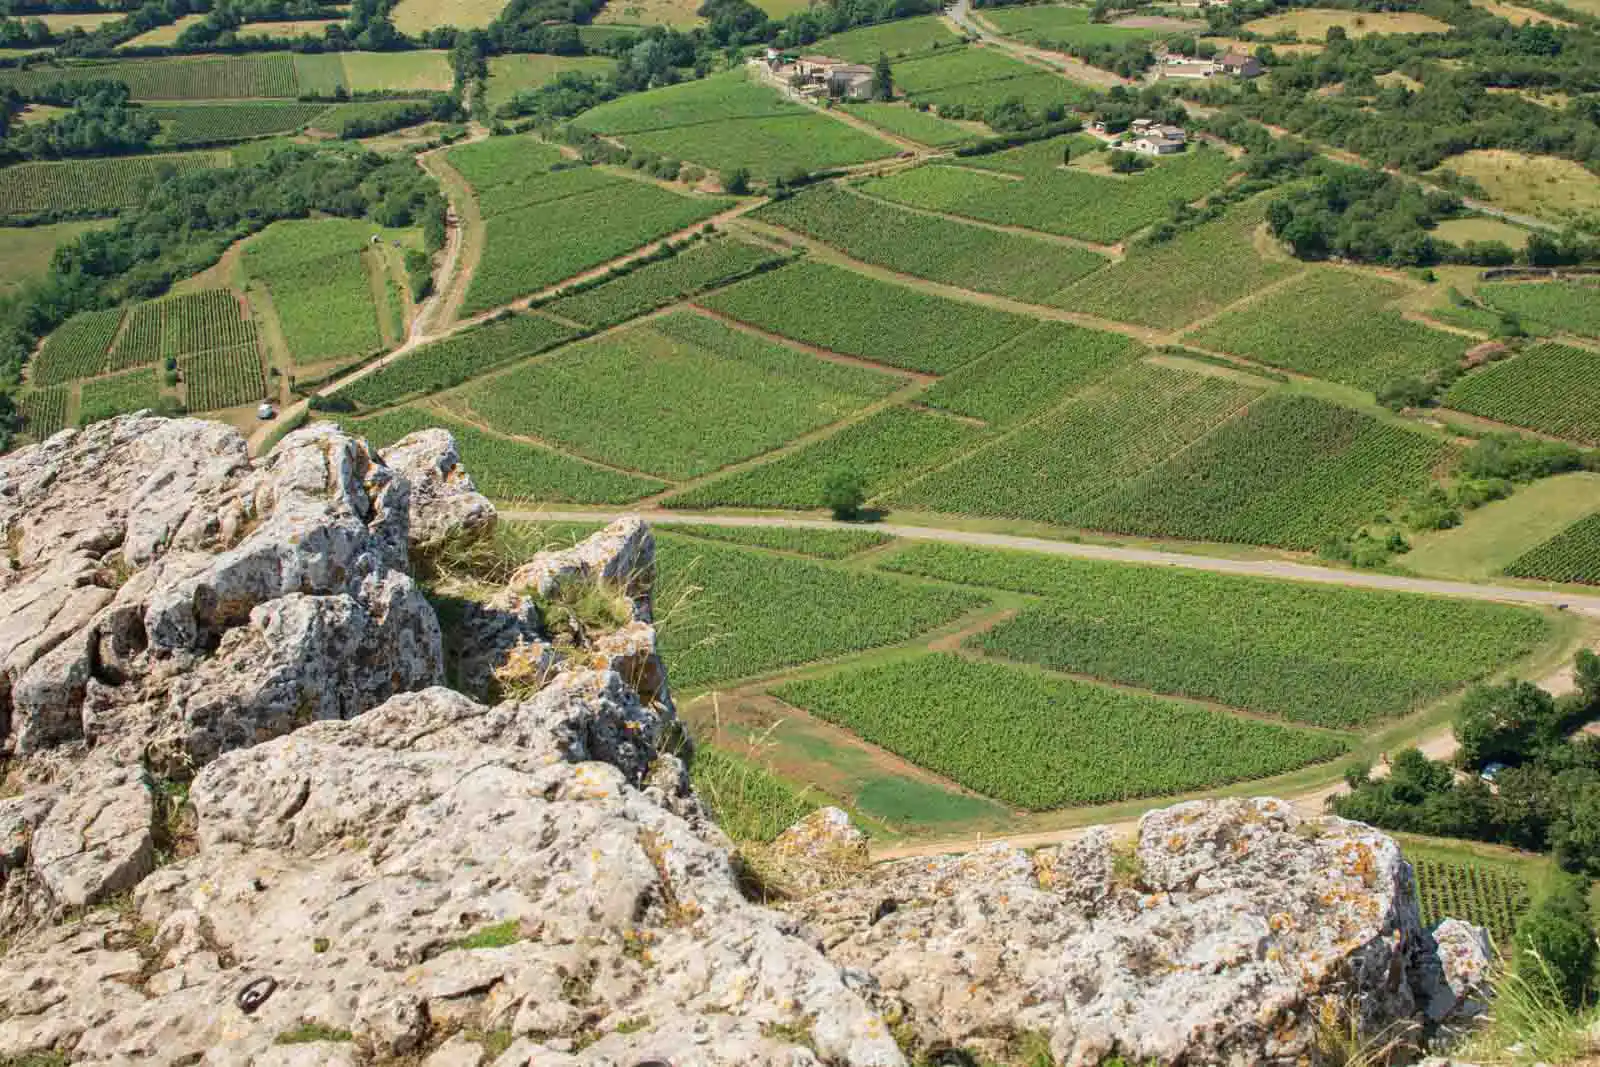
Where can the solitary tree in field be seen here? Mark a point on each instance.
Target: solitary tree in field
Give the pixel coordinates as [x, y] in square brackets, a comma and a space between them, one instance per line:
[843, 493]
[882, 79]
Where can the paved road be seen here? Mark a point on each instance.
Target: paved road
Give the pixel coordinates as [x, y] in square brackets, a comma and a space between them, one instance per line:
[1584, 604]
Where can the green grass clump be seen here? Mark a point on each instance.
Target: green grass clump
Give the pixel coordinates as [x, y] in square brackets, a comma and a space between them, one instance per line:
[1291, 471]
[941, 250]
[1330, 657]
[1334, 324]
[1028, 187]
[818, 544]
[676, 397]
[1035, 371]
[307, 1033]
[746, 799]
[497, 936]
[510, 470]
[885, 449]
[457, 358]
[850, 313]
[728, 612]
[704, 265]
[1112, 431]
[1549, 387]
[1038, 742]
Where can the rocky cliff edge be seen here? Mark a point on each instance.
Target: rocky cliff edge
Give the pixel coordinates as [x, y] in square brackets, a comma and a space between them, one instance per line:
[244, 822]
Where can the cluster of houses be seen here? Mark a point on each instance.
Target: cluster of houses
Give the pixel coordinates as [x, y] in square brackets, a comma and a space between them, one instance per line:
[1231, 64]
[821, 75]
[1147, 137]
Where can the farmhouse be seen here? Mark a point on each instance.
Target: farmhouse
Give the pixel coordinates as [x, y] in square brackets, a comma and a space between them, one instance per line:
[853, 81]
[1238, 65]
[1152, 138]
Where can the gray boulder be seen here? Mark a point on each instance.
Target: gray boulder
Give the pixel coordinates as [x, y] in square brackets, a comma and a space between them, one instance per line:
[445, 505]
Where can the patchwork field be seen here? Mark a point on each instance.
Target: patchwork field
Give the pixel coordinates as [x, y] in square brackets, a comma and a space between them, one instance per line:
[1292, 471]
[1548, 387]
[1573, 307]
[44, 411]
[682, 14]
[1055, 468]
[223, 378]
[508, 469]
[755, 612]
[971, 80]
[1052, 26]
[443, 364]
[1491, 537]
[814, 544]
[316, 272]
[1571, 556]
[1037, 742]
[198, 124]
[727, 122]
[1324, 656]
[93, 186]
[118, 394]
[885, 449]
[1175, 282]
[676, 396]
[897, 40]
[529, 247]
[415, 17]
[860, 316]
[939, 249]
[923, 127]
[705, 265]
[1029, 187]
[1334, 324]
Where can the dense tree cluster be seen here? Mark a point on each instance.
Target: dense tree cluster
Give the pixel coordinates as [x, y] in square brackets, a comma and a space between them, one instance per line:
[1362, 215]
[1545, 788]
[101, 122]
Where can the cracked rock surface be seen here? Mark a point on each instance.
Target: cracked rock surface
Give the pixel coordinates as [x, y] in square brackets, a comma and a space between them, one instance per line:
[252, 827]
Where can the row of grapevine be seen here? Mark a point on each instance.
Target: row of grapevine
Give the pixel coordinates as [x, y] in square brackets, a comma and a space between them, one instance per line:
[193, 124]
[457, 358]
[174, 78]
[93, 186]
[44, 411]
[1480, 894]
[1549, 387]
[223, 378]
[183, 325]
[1573, 555]
[77, 348]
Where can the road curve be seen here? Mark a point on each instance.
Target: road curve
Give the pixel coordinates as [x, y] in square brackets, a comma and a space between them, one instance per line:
[1581, 603]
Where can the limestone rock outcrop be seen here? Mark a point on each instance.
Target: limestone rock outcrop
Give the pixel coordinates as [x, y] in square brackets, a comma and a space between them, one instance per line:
[250, 826]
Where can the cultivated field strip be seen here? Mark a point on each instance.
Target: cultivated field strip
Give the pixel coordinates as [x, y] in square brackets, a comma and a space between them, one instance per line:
[77, 348]
[93, 186]
[455, 359]
[223, 377]
[1548, 387]
[44, 411]
[178, 78]
[179, 326]
[704, 265]
[1573, 555]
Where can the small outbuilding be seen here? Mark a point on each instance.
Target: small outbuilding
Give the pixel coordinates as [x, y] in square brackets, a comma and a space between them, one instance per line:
[1239, 65]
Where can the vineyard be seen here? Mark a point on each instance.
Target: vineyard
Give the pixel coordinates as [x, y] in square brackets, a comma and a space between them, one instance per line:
[223, 378]
[923, 127]
[117, 395]
[897, 40]
[1573, 555]
[77, 348]
[1478, 893]
[181, 326]
[713, 100]
[817, 544]
[44, 411]
[456, 359]
[503, 160]
[507, 469]
[1028, 187]
[941, 250]
[704, 265]
[269, 74]
[514, 73]
[885, 448]
[769, 148]
[93, 186]
[1052, 469]
[197, 124]
[1570, 306]
[860, 316]
[1037, 743]
[1031, 373]
[1333, 324]
[316, 274]
[1175, 282]
[1292, 471]
[1549, 387]
[676, 397]
[532, 248]
[755, 612]
[1330, 657]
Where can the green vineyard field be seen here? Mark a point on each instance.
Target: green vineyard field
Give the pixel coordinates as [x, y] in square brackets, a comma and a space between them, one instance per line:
[269, 74]
[704, 265]
[77, 348]
[198, 124]
[1480, 894]
[941, 250]
[1573, 555]
[223, 378]
[316, 274]
[93, 186]
[1549, 387]
[44, 411]
[1571, 306]
[817, 544]
[1037, 742]
[456, 359]
[118, 394]
[1331, 657]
